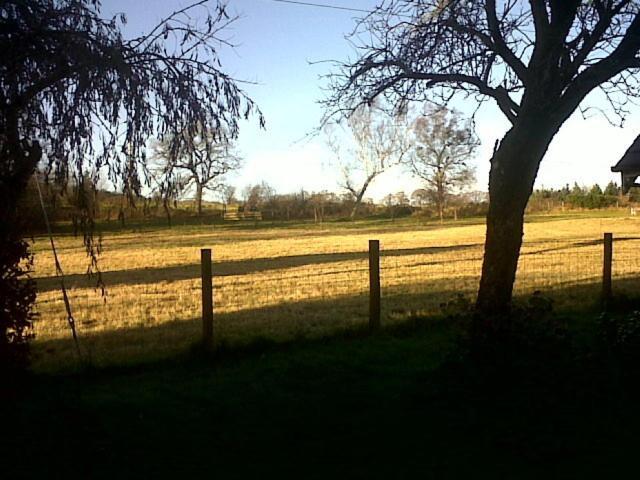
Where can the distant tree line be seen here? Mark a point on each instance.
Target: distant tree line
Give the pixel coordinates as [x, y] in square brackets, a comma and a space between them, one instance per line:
[325, 205]
[107, 206]
[577, 196]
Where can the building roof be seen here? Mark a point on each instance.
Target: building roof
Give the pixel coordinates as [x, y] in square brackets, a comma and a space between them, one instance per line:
[630, 162]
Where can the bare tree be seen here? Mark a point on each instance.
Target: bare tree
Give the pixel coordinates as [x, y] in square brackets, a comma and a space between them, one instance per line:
[228, 195]
[420, 197]
[318, 201]
[536, 59]
[444, 144]
[256, 196]
[76, 96]
[199, 160]
[379, 143]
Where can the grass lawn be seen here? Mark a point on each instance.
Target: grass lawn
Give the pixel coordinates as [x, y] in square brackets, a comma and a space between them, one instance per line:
[382, 406]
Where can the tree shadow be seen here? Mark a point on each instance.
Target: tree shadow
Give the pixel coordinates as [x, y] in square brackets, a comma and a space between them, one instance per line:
[256, 265]
[230, 267]
[578, 244]
[395, 405]
[291, 321]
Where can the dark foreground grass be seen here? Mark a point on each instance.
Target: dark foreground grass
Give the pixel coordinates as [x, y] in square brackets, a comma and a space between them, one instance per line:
[401, 404]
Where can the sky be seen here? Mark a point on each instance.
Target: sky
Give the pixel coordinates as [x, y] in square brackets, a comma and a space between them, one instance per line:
[282, 49]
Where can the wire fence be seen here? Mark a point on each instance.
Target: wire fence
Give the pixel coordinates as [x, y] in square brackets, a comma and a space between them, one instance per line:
[151, 313]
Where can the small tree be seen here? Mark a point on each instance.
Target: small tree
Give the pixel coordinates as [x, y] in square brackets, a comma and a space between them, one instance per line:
[420, 197]
[228, 195]
[199, 159]
[318, 200]
[256, 196]
[612, 189]
[379, 143]
[597, 199]
[444, 145]
[401, 199]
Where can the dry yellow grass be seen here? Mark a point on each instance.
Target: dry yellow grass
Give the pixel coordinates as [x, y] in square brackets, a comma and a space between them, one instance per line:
[281, 283]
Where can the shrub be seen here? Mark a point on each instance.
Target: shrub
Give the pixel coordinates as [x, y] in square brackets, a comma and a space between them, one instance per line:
[620, 335]
[17, 295]
[528, 337]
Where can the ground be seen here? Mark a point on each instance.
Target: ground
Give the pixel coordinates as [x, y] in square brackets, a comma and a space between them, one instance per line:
[382, 406]
[298, 280]
[299, 389]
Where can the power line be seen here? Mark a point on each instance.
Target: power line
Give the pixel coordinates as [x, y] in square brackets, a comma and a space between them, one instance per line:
[321, 5]
[335, 7]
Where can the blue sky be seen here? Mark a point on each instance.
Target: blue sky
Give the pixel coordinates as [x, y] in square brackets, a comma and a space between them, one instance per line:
[276, 43]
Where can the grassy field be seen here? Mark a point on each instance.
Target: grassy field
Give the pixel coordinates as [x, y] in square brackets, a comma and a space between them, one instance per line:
[288, 281]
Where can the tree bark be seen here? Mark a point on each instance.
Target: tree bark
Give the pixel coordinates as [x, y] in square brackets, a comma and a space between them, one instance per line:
[354, 210]
[360, 196]
[514, 168]
[356, 205]
[440, 199]
[167, 211]
[121, 217]
[199, 198]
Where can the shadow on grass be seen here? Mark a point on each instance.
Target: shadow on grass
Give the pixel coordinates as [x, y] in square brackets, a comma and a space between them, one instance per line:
[408, 402]
[257, 265]
[229, 268]
[289, 321]
[576, 244]
[280, 323]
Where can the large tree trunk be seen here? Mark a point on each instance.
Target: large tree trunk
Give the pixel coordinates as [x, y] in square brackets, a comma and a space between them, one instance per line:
[358, 201]
[356, 205]
[514, 168]
[354, 210]
[360, 195]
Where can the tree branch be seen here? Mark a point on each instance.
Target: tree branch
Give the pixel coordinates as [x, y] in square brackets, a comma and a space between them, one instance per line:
[500, 46]
[540, 16]
[508, 106]
[595, 36]
[621, 59]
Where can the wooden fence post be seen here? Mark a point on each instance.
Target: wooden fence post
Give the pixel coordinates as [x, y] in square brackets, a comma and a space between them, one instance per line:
[607, 268]
[374, 285]
[207, 298]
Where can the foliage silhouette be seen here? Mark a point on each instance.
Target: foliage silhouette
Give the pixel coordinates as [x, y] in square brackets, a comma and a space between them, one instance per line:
[76, 97]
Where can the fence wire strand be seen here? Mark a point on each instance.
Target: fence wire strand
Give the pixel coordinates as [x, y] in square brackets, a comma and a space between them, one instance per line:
[327, 293]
